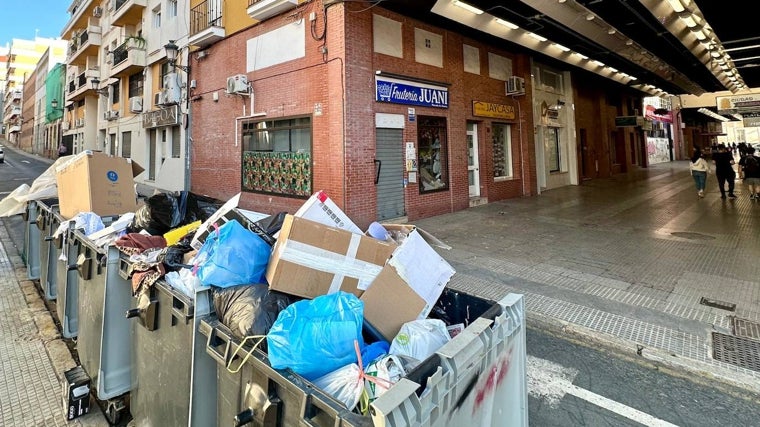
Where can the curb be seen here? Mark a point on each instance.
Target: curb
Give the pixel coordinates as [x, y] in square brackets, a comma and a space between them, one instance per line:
[730, 382]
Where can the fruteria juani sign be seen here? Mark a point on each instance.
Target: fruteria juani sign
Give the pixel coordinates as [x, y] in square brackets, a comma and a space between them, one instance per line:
[411, 93]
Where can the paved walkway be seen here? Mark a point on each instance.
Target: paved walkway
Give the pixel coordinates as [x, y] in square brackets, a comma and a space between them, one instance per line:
[625, 262]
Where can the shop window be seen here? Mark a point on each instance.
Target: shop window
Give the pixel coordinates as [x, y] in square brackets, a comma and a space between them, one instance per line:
[552, 145]
[277, 157]
[502, 151]
[432, 154]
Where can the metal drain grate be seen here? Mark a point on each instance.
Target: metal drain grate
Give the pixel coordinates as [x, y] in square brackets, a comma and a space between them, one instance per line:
[736, 351]
[691, 235]
[718, 304]
[745, 328]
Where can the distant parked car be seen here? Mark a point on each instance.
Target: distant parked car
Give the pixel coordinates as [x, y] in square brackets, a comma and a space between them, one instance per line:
[2, 155]
[756, 147]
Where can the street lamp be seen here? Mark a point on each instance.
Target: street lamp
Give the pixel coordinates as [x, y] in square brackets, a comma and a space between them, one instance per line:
[54, 105]
[172, 50]
[95, 84]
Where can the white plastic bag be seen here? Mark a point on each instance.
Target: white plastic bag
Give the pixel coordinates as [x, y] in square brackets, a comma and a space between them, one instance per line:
[387, 370]
[420, 338]
[345, 384]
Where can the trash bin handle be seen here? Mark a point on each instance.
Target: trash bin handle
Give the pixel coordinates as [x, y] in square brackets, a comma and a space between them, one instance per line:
[211, 349]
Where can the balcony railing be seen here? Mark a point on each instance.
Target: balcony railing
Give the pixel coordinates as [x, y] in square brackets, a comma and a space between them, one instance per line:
[120, 54]
[205, 15]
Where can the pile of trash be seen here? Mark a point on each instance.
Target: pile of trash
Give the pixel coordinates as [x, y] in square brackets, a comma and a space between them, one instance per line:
[346, 308]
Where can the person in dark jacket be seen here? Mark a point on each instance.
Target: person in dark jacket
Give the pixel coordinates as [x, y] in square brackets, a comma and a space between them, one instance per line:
[724, 171]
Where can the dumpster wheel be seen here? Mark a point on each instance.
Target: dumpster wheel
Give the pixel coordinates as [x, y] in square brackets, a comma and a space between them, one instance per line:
[114, 410]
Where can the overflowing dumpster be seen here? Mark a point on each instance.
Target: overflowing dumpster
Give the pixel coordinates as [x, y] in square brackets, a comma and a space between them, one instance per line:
[67, 279]
[478, 378]
[103, 298]
[31, 250]
[47, 222]
[174, 379]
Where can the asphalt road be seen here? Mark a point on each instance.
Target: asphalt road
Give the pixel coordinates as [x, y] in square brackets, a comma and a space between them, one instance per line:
[570, 384]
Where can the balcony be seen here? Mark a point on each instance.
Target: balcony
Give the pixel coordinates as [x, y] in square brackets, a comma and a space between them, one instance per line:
[81, 11]
[14, 112]
[14, 129]
[79, 87]
[265, 9]
[129, 57]
[16, 95]
[127, 12]
[85, 44]
[206, 23]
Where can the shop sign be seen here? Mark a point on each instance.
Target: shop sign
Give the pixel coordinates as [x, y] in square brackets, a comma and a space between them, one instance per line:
[630, 121]
[411, 93]
[751, 120]
[493, 110]
[737, 103]
[162, 117]
[650, 112]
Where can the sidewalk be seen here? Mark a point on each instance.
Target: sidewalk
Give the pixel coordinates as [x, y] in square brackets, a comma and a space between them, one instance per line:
[624, 263]
[33, 353]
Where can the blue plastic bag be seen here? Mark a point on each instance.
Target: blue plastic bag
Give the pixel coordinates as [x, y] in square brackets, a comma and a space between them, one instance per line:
[232, 256]
[315, 337]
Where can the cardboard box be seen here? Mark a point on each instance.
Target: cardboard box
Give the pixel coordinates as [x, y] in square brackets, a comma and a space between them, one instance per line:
[312, 259]
[95, 182]
[224, 214]
[322, 209]
[76, 393]
[409, 284]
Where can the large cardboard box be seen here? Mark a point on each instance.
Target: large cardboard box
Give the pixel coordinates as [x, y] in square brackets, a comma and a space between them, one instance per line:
[312, 259]
[92, 181]
[320, 208]
[409, 284]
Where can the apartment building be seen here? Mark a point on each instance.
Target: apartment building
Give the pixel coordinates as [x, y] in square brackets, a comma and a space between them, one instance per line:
[23, 56]
[123, 95]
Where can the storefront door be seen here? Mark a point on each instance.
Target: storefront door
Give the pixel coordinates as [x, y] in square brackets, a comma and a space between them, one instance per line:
[473, 165]
[389, 173]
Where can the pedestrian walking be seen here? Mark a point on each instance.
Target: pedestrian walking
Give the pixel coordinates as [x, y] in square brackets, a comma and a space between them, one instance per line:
[699, 168]
[750, 165]
[724, 171]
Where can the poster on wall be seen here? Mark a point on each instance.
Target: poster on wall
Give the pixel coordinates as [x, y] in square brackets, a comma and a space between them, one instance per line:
[282, 173]
[658, 150]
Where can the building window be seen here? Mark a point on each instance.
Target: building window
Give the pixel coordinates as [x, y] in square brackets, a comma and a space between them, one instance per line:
[157, 17]
[171, 6]
[115, 95]
[502, 151]
[136, 84]
[176, 142]
[552, 144]
[277, 157]
[432, 154]
[126, 144]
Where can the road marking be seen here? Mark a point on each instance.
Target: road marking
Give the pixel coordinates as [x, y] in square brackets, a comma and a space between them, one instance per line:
[25, 161]
[4, 193]
[550, 382]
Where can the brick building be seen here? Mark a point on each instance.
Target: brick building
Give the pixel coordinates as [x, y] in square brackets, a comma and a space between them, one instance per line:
[318, 117]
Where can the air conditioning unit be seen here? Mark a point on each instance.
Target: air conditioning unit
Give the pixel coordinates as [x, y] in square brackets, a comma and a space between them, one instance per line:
[515, 86]
[237, 84]
[79, 123]
[65, 126]
[111, 115]
[135, 104]
[97, 11]
[157, 98]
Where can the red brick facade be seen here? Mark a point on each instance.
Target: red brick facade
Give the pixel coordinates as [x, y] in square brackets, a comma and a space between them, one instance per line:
[341, 83]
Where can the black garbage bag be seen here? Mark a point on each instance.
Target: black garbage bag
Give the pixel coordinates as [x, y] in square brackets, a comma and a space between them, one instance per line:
[165, 211]
[273, 223]
[173, 256]
[159, 214]
[249, 309]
